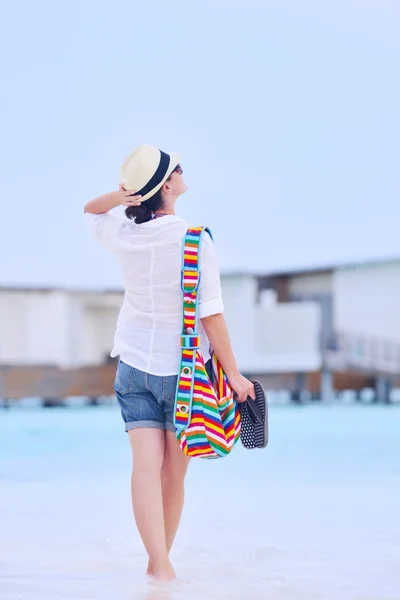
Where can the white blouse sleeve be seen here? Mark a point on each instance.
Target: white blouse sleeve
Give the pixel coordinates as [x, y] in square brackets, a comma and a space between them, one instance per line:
[210, 293]
[103, 226]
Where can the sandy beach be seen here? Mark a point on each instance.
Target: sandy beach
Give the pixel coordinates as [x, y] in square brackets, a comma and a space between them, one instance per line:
[314, 516]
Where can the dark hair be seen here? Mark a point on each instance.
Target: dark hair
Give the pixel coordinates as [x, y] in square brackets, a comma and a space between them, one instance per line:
[143, 213]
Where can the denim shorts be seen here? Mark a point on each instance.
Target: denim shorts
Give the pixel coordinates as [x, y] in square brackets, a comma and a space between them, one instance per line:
[146, 400]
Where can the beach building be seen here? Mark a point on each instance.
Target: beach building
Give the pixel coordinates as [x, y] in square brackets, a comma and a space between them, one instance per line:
[320, 327]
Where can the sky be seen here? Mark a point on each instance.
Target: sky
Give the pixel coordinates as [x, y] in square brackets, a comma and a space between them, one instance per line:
[285, 114]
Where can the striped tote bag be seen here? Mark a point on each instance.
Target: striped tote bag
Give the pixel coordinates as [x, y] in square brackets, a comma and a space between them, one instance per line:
[206, 416]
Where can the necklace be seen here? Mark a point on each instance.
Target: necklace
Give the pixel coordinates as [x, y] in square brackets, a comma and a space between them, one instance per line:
[157, 215]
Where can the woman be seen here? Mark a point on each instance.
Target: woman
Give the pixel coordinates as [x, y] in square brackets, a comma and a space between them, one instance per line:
[149, 248]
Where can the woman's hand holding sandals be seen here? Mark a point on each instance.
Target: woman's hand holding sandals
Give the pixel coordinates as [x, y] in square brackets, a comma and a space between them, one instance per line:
[242, 387]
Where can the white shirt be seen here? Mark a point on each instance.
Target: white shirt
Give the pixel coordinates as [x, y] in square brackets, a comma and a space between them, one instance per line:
[150, 321]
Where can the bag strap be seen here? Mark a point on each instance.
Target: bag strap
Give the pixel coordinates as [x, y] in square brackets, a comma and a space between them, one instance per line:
[190, 282]
[190, 339]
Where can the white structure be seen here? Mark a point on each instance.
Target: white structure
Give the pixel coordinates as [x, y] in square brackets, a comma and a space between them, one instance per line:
[278, 323]
[367, 300]
[270, 337]
[360, 312]
[72, 328]
[62, 327]
[364, 297]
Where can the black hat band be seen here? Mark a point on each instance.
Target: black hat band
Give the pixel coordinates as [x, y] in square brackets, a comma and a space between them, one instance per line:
[158, 176]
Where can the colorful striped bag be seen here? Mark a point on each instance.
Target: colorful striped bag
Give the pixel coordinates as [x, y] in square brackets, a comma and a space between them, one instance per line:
[206, 416]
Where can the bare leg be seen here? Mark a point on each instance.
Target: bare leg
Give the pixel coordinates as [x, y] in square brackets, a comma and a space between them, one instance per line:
[148, 447]
[172, 476]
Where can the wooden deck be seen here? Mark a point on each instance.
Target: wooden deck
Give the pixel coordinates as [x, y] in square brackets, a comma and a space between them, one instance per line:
[53, 384]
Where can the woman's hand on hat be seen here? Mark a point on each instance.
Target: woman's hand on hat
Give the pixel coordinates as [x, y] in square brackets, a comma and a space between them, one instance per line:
[128, 197]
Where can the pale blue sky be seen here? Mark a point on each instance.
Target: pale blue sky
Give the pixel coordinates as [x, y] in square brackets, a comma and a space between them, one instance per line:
[285, 112]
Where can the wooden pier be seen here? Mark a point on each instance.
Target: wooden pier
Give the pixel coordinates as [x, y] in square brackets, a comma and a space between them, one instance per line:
[53, 385]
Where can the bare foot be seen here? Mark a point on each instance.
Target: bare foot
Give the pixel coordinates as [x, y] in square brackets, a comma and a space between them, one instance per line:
[150, 570]
[162, 573]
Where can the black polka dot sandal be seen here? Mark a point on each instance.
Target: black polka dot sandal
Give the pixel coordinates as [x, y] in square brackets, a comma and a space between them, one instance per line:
[254, 417]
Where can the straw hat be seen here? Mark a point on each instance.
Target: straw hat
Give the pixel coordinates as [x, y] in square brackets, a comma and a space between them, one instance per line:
[146, 169]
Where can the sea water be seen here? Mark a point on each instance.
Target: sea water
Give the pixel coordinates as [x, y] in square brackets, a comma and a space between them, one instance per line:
[316, 515]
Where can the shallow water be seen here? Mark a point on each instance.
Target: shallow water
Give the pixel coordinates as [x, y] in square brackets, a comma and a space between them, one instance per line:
[316, 515]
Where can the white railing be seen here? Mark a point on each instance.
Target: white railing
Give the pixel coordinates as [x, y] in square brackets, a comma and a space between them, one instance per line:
[350, 351]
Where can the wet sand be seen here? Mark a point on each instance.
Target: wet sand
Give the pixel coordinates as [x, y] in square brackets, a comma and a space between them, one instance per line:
[314, 516]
